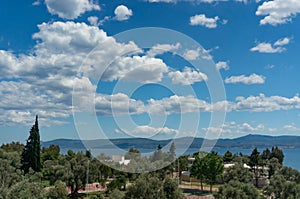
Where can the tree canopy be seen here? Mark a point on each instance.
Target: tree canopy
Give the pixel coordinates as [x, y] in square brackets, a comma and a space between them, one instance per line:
[30, 157]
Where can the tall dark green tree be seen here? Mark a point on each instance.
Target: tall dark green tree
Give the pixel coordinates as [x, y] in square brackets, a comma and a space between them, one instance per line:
[277, 153]
[30, 157]
[228, 157]
[254, 164]
[172, 152]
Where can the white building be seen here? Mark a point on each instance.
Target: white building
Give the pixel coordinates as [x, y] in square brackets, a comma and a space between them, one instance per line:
[120, 159]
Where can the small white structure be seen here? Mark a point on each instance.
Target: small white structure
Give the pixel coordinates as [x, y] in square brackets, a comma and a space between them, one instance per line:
[120, 159]
[227, 166]
[190, 162]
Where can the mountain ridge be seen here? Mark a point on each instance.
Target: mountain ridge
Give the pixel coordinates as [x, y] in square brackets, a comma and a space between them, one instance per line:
[248, 141]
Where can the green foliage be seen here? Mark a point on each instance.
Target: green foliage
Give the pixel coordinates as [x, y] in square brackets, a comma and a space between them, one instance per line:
[255, 161]
[183, 162]
[214, 167]
[274, 166]
[238, 173]
[157, 155]
[13, 147]
[77, 168]
[274, 153]
[277, 153]
[95, 171]
[198, 169]
[254, 158]
[9, 172]
[116, 194]
[133, 154]
[26, 189]
[72, 170]
[280, 188]
[114, 184]
[150, 187]
[147, 188]
[228, 157]
[208, 167]
[171, 190]
[235, 189]
[290, 174]
[58, 191]
[238, 184]
[30, 157]
[50, 153]
[172, 153]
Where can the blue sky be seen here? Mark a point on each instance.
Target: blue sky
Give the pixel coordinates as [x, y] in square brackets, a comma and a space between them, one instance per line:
[240, 77]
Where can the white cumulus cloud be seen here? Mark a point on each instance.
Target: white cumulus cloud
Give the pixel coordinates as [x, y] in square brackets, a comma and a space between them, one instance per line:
[187, 76]
[202, 20]
[70, 9]
[252, 79]
[194, 54]
[291, 127]
[122, 13]
[266, 47]
[278, 11]
[162, 48]
[282, 42]
[222, 65]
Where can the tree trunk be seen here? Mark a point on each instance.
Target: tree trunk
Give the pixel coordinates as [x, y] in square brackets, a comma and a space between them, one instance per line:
[201, 182]
[256, 177]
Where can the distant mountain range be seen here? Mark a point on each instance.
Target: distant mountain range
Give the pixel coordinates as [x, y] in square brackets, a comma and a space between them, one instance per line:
[249, 141]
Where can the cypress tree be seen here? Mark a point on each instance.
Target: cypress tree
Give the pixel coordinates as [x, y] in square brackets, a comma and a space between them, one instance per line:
[30, 157]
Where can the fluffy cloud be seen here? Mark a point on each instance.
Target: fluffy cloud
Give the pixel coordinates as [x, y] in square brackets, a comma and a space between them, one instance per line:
[222, 65]
[231, 128]
[20, 102]
[42, 82]
[122, 13]
[252, 79]
[189, 104]
[68, 37]
[117, 104]
[76, 40]
[187, 76]
[267, 48]
[248, 128]
[70, 9]
[94, 21]
[202, 20]
[176, 104]
[47, 75]
[261, 103]
[162, 48]
[148, 70]
[183, 104]
[196, 1]
[277, 47]
[136, 69]
[278, 11]
[291, 127]
[193, 54]
[150, 131]
[282, 42]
